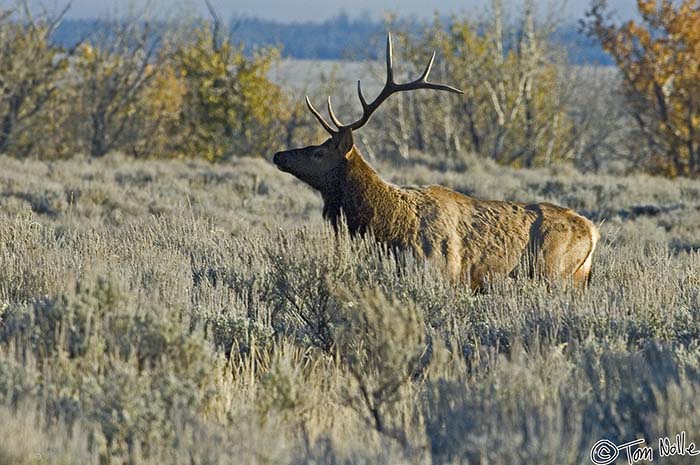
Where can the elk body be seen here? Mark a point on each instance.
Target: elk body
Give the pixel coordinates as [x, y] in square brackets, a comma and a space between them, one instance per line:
[475, 239]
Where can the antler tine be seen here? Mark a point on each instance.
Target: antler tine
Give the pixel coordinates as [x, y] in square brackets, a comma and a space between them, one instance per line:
[320, 119]
[362, 97]
[435, 86]
[422, 81]
[334, 118]
[389, 60]
[424, 76]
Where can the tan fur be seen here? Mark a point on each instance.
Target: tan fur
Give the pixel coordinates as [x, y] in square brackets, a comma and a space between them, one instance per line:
[475, 239]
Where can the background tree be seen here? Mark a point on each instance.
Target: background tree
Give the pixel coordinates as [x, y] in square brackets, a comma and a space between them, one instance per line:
[156, 127]
[230, 106]
[31, 70]
[659, 60]
[112, 75]
[516, 108]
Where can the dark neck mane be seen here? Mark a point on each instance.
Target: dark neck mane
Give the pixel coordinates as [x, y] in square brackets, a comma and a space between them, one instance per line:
[365, 199]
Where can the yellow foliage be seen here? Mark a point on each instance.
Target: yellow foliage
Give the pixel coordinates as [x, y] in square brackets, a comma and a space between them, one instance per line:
[136, 102]
[659, 58]
[161, 108]
[229, 105]
[31, 69]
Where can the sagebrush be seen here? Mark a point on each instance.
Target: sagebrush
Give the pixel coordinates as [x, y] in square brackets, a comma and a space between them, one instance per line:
[176, 312]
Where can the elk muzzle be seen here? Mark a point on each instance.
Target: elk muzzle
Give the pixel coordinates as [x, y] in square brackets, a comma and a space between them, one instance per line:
[280, 160]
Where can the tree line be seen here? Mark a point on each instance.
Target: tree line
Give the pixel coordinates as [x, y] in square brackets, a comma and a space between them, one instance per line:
[337, 38]
[154, 90]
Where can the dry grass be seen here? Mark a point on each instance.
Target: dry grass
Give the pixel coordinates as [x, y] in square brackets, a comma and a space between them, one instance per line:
[179, 312]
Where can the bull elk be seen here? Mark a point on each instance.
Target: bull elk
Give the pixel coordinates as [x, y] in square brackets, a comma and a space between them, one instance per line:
[475, 239]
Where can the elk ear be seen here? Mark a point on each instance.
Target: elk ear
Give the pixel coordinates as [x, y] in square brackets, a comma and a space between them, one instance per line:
[344, 141]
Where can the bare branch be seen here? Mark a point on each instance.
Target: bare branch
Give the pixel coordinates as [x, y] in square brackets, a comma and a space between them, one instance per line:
[217, 25]
[53, 23]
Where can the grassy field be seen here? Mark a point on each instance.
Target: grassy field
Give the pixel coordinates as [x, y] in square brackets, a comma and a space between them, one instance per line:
[180, 312]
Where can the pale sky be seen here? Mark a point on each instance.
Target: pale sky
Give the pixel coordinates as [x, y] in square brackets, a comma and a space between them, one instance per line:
[314, 10]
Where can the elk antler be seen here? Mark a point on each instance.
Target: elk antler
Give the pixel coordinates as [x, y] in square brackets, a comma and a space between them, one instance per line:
[390, 87]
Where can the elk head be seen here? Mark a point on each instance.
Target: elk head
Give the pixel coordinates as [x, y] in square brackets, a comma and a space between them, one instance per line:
[320, 165]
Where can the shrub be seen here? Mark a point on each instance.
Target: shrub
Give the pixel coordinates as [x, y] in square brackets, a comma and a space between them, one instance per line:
[659, 60]
[31, 100]
[515, 108]
[229, 106]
